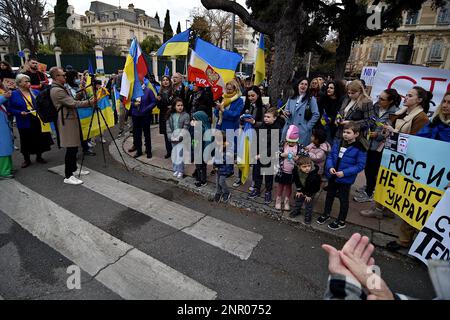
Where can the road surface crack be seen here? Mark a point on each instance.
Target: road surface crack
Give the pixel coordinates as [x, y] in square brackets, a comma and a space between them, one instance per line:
[112, 263]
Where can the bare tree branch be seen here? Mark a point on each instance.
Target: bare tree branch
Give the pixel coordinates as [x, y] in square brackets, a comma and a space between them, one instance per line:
[236, 8]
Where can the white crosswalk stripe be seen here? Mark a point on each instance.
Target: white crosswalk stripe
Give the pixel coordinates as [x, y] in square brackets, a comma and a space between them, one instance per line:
[120, 267]
[234, 240]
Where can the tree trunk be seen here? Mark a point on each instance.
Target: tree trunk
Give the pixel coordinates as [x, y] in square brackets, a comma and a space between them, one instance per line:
[284, 57]
[342, 54]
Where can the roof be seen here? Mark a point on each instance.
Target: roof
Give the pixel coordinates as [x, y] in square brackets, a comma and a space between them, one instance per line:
[106, 12]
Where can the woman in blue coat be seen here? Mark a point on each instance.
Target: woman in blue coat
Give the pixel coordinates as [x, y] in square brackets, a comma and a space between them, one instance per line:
[229, 110]
[22, 104]
[6, 141]
[439, 127]
[302, 111]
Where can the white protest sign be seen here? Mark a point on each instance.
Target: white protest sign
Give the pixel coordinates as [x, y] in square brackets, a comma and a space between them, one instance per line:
[368, 75]
[403, 77]
[433, 241]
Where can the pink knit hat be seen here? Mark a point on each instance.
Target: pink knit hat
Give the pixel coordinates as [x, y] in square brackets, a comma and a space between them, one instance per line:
[292, 134]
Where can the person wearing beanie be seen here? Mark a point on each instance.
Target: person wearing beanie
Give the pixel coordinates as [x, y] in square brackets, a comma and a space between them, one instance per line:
[284, 177]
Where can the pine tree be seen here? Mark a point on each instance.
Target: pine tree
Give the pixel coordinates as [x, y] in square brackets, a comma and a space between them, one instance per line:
[167, 29]
[179, 28]
[157, 18]
[61, 14]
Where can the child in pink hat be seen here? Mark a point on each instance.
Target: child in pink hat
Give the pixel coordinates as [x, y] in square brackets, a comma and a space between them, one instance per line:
[284, 178]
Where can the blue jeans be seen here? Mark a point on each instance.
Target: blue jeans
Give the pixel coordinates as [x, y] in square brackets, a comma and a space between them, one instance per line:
[177, 157]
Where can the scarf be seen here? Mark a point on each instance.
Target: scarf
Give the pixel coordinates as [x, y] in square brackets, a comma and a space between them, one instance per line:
[45, 127]
[228, 99]
[403, 125]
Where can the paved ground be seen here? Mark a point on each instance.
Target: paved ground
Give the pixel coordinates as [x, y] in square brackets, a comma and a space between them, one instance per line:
[46, 226]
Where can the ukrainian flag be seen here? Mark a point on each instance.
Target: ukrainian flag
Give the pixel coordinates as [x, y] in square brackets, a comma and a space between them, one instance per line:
[86, 114]
[224, 62]
[131, 86]
[177, 46]
[116, 99]
[260, 64]
[244, 151]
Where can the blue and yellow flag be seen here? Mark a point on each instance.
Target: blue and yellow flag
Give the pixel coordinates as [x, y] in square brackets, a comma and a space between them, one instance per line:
[116, 101]
[176, 46]
[86, 114]
[244, 150]
[260, 64]
[223, 62]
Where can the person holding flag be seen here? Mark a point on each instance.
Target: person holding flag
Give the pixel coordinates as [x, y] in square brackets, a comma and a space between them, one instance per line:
[329, 106]
[141, 112]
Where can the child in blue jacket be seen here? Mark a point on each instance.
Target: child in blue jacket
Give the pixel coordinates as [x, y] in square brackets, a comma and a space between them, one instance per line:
[345, 161]
[224, 162]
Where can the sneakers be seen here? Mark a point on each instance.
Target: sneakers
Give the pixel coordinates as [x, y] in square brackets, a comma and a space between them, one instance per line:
[254, 194]
[180, 175]
[307, 220]
[363, 197]
[237, 183]
[200, 184]
[268, 197]
[278, 203]
[175, 173]
[83, 172]
[226, 197]
[217, 197]
[287, 205]
[73, 181]
[322, 219]
[337, 225]
[377, 213]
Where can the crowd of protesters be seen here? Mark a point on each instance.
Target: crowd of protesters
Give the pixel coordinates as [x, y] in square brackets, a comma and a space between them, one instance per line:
[328, 133]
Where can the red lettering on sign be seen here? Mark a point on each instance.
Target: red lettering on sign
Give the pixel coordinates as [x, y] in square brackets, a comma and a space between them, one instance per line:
[401, 78]
[433, 80]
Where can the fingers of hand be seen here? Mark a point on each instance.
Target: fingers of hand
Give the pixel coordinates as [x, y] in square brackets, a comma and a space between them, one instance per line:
[361, 247]
[351, 244]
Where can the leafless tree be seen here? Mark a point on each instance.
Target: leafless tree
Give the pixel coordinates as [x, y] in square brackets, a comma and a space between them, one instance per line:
[24, 17]
[219, 23]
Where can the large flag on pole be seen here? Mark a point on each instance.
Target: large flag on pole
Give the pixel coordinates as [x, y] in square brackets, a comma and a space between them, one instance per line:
[211, 66]
[134, 69]
[260, 64]
[176, 46]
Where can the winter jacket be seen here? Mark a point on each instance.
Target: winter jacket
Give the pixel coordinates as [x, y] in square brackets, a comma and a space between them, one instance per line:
[352, 162]
[266, 132]
[230, 116]
[148, 102]
[376, 144]
[436, 130]
[70, 129]
[184, 122]
[412, 123]
[361, 114]
[319, 154]
[6, 140]
[312, 183]
[297, 118]
[17, 104]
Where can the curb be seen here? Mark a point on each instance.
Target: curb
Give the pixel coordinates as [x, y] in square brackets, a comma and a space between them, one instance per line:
[379, 239]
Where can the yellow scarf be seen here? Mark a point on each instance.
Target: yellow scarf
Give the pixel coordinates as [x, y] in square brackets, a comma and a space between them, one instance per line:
[230, 98]
[45, 127]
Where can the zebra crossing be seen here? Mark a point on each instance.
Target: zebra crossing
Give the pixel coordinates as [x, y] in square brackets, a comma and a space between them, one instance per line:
[119, 266]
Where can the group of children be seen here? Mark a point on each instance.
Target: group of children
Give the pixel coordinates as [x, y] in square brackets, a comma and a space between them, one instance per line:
[306, 167]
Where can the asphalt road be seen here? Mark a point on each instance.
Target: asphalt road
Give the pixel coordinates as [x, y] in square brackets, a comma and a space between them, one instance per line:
[287, 263]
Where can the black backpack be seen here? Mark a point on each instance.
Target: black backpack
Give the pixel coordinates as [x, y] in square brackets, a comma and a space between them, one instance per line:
[45, 107]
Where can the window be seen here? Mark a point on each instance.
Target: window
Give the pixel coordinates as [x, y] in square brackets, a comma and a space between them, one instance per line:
[375, 52]
[444, 15]
[412, 17]
[437, 47]
[131, 34]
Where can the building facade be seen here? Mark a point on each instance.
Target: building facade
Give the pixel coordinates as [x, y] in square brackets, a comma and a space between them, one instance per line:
[427, 30]
[111, 25]
[108, 25]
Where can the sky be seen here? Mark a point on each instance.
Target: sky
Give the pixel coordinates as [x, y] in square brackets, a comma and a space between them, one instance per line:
[180, 10]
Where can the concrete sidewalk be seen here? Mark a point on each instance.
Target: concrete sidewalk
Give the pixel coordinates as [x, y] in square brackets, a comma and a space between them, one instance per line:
[379, 231]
